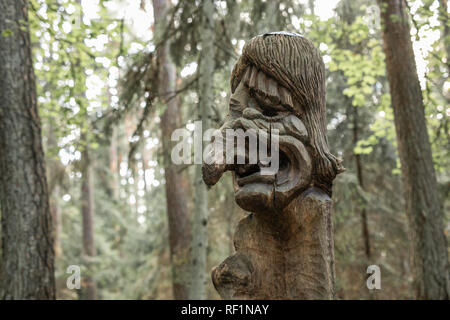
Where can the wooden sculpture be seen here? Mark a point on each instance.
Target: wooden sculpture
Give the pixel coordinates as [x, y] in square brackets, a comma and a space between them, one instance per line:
[284, 247]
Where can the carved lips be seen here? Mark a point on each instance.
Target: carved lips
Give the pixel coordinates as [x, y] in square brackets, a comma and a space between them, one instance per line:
[251, 173]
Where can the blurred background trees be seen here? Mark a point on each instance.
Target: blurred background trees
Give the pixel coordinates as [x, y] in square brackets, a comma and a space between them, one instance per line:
[114, 78]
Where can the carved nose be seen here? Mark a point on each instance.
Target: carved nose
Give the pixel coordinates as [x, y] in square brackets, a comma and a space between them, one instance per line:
[252, 113]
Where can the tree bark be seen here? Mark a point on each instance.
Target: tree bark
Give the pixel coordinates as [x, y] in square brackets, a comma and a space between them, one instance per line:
[443, 17]
[176, 185]
[27, 242]
[312, 6]
[269, 23]
[429, 248]
[55, 176]
[87, 207]
[114, 166]
[349, 16]
[360, 177]
[200, 219]
[56, 218]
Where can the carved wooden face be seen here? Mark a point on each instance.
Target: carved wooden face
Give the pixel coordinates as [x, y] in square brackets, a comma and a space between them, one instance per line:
[261, 193]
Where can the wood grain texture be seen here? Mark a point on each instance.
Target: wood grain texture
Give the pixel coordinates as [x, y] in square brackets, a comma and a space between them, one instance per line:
[284, 256]
[284, 247]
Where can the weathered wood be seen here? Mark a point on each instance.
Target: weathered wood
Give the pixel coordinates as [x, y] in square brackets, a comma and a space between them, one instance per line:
[284, 248]
[27, 242]
[288, 255]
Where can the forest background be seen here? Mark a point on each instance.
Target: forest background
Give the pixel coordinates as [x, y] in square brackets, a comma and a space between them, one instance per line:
[115, 78]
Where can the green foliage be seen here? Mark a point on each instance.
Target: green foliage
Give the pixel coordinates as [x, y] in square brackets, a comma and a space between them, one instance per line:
[66, 60]
[7, 33]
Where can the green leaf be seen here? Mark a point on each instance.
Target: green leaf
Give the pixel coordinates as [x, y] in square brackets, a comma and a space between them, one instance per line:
[7, 33]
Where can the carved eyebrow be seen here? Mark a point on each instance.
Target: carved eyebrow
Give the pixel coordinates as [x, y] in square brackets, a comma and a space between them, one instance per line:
[235, 105]
[234, 102]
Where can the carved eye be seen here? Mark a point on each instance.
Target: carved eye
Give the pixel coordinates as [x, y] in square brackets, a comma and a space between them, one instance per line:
[254, 105]
[266, 106]
[269, 112]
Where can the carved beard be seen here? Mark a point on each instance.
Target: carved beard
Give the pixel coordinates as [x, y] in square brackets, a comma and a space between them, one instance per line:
[265, 193]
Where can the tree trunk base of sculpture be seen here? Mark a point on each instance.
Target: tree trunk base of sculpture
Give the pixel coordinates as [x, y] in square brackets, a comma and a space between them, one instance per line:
[282, 256]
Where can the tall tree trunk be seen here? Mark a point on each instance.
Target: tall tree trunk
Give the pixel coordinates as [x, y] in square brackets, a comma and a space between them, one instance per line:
[200, 221]
[348, 15]
[230, 211]
[146, 156]
[429, 248]
[55, 175]
[443, 17]
[114, 166]
[233, 28]
[56, 218]
[269, 22]
[233, 22]
[360, 176]
[27, 242]
[312, 6]
[176, 185]
[87, 208]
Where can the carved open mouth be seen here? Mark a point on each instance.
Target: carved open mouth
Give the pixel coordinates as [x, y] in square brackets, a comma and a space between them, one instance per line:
[251, 173]
[284, 167]
[247, 170]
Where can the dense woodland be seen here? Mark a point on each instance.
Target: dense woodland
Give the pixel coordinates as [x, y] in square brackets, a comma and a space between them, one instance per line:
[91, 91]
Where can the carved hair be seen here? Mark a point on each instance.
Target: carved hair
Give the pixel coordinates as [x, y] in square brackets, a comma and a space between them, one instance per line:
[297, 66]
